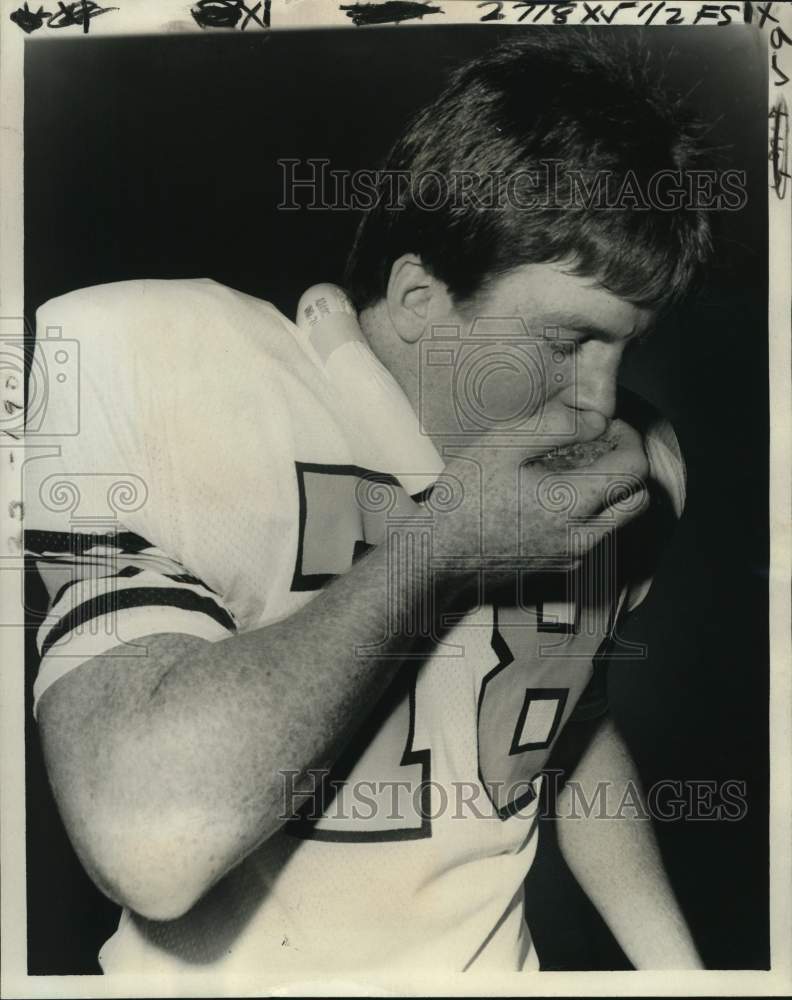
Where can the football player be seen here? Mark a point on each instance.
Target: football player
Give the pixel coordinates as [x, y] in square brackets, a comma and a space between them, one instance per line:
[296, 702]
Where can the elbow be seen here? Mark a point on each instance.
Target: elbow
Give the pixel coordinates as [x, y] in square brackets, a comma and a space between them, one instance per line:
[157, 901]
[155, 896]
[155, 868]
[153, 824]
[161, 866]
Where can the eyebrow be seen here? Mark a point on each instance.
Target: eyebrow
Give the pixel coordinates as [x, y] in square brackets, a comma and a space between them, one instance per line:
[581, 324]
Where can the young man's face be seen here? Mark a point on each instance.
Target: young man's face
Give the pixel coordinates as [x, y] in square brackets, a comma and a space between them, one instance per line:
[537, 333]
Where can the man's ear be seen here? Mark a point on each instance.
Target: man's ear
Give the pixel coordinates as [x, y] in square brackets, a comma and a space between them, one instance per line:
[413, 297]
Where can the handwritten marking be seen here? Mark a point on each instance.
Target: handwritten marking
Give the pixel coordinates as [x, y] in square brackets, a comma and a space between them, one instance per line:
[779, 146]
[27, 20]
[765, 13]
[780, 76]
[596, 13]
[778, 39]
[653, 14]
[390, 12]
[560, 11]
[718, 12]
[494, 15]
[239, 15]
[587, 11]
[80, 13]
[229, 14]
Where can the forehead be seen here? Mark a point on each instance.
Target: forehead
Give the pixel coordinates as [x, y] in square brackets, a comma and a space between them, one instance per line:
[550, 294]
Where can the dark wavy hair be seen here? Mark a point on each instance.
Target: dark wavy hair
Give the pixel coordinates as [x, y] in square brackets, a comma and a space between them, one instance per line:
[587, 100]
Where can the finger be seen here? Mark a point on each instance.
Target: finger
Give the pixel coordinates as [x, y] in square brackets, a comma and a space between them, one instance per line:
[590, 533]
[623, 502]
[610, 450]
[581, 493]
[627, 463]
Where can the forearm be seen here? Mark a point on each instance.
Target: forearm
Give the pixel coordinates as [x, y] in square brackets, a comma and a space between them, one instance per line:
[286, 697]
[173, 783]
[613, 854]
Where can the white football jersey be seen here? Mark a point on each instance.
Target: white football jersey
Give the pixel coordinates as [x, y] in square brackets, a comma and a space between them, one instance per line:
[210, 484]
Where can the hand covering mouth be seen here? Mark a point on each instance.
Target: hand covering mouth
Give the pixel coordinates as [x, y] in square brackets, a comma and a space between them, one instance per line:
[581, 454]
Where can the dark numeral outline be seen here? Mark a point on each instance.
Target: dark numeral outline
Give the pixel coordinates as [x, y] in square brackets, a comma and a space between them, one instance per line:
[505, 660]
[315, 581]
[306, 829]
[559, 695]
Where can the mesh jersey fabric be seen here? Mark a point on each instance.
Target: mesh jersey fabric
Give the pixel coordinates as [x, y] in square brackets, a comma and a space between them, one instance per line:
[237, 460]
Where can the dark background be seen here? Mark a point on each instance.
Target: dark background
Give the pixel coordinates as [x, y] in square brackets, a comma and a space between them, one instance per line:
[155, 157]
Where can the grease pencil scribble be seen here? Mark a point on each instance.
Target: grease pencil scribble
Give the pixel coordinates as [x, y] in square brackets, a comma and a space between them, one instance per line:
[81, 13]
[779, 146]
[390, 12]
[28, 20]
[231, 14]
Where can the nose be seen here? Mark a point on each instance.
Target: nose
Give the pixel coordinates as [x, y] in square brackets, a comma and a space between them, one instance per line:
[593, 383]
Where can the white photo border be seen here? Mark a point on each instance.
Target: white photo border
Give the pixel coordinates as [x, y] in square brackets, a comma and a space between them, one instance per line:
[773, 24]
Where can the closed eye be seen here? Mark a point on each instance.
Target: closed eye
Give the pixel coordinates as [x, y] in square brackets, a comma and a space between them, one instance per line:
[564, 341]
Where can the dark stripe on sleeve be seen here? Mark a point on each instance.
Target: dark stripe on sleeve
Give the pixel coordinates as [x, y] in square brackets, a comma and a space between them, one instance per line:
[37, 542]
[136, 597]
[189, 578]
[423, 495]
[126, 573]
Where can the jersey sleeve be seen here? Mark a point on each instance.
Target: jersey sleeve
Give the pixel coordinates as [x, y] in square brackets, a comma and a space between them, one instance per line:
[101, 523]
[106, 591]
